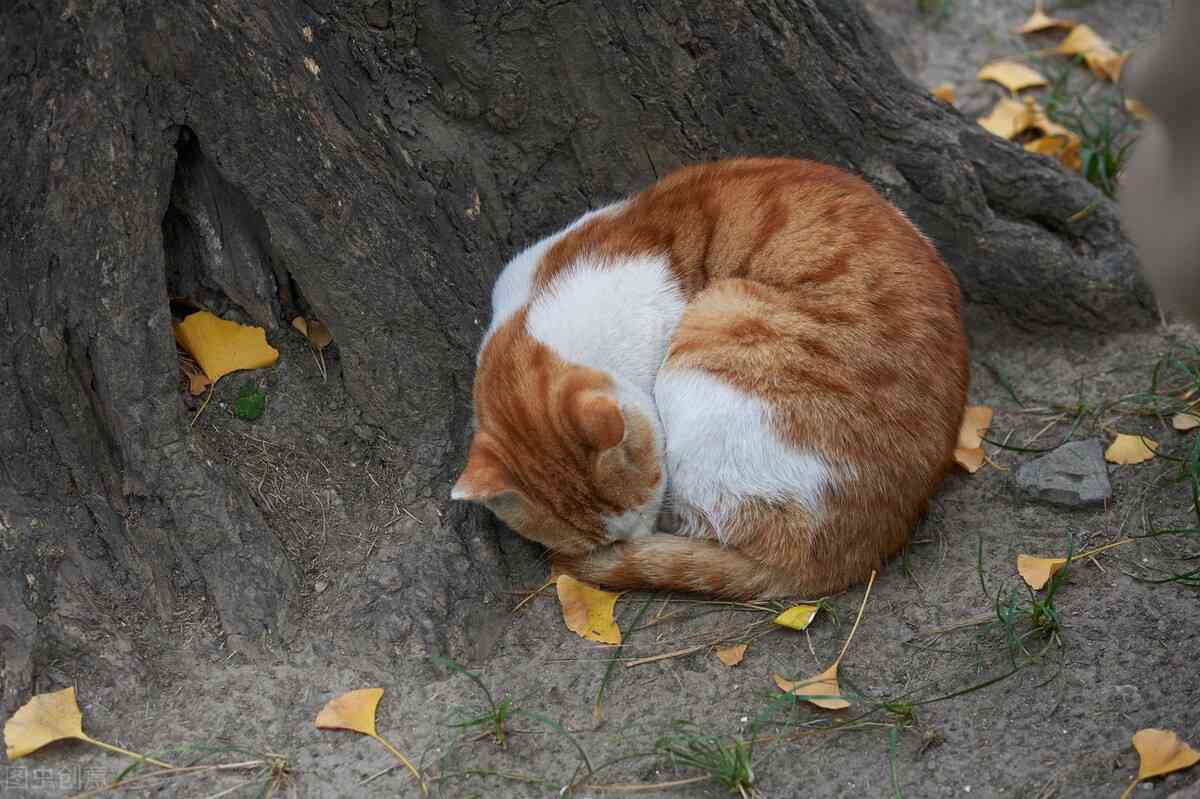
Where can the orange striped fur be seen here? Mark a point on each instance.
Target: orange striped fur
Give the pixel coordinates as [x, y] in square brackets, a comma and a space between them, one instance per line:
[767, 345]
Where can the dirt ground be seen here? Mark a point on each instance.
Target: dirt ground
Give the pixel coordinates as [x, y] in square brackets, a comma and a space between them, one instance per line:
[1054, 725]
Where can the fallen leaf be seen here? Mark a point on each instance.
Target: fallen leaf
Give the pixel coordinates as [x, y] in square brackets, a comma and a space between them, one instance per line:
[1067, 149]
[1137, 109]
[797, 617]
[198, 382]
[1185, 421]
[221, 346]
[1008, 118]
[731, 656]
[314, 330]
[822, 690]
[44, 719]
[1040, 21]
[1128, 449]
[1037, 571]
[1082, 39]
[1100, 56]
[51, 717]
[944, 92]
[1011, 75]
[975, 423]
[354, 710]
[588, 611]
[1161, 752]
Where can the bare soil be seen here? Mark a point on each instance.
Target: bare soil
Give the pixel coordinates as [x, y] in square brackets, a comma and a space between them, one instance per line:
[1059, 726]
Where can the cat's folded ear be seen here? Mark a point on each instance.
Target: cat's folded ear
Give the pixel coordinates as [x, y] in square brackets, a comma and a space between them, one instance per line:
[485, 480]
[597, 418]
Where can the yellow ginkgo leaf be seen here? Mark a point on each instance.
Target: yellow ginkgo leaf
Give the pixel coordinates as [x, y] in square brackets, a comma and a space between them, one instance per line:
[1100, 56]
[822, 690]
[588, 611]
[731, 656]
[1011, 75]
[1082, 39]
[1137, 109]
[1127, 449]
[301, 324]
[797, 617]
[354, 710]
[1037, 571]
[51, 717]
[975, 423]
[1185, 421]
[944, 92]
[1040, 21]
[221, 346]
[1066, 148]
[1008, 118]
[43, 719]
[1161, 752]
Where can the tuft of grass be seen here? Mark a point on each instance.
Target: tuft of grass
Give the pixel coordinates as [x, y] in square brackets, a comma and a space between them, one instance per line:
[1021, 622]
[251, 402]
[493, 717]
[1104, 141]
[727, 760]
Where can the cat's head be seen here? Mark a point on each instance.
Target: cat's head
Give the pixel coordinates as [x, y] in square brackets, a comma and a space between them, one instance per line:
[561, 452]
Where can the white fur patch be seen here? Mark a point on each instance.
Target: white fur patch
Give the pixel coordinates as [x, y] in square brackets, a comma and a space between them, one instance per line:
[614, 316]
[515, 283]
[722, 448]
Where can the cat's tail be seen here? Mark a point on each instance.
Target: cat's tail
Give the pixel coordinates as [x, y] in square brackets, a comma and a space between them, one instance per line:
[676, 563]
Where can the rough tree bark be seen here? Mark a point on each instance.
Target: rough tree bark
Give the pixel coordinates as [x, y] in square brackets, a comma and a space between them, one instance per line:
[381, 160]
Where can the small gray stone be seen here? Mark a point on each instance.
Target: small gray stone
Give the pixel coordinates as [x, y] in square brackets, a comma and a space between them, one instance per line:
[1074, 475]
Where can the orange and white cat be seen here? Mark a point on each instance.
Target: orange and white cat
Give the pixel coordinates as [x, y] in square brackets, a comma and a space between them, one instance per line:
[767, 344]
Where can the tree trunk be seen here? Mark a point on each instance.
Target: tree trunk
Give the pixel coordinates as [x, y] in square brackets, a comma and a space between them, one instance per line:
[375, 165]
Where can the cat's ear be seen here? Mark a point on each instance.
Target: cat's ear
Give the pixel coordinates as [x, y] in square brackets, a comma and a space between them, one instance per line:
[597, 419]
[484, 480]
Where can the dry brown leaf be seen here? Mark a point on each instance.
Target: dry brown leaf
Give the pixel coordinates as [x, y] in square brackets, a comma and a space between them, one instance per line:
[1162, 752]
[975, 423]
[221, 346]
[731, 656]
[354, 710]
[588, 611]
[1012, 75]
[1129, 449]
[944, 92]
[1137, 109]
[1185, 421]
[1037, 571]
[822, 690]
[314, 330]
[797, 617]
[1040, 21]
[198, 382]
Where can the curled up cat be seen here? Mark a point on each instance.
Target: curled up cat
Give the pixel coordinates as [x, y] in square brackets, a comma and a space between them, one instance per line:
[765, 345]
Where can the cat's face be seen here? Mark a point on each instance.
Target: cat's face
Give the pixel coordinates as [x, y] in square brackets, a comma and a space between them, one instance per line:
[556, 455]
